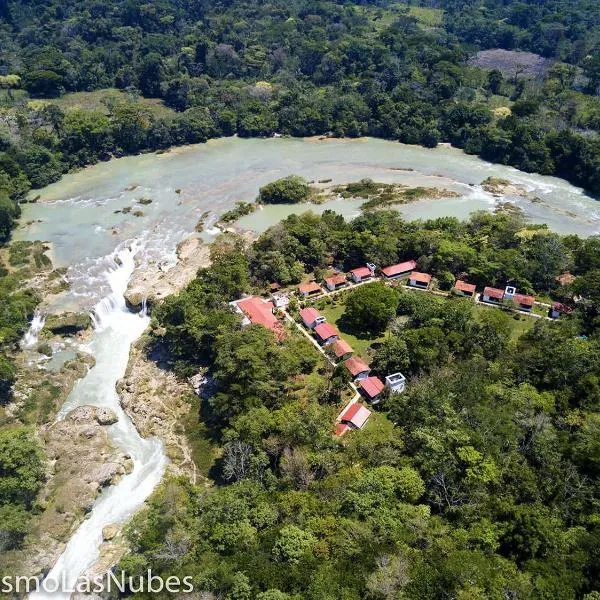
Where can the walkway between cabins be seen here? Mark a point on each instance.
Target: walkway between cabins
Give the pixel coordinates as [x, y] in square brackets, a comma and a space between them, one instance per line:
[320, 348]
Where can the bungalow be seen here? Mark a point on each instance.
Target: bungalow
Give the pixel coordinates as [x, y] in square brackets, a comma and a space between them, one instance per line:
[420, 280]
[396, 382]
[355, 416]
[399, 270]
[311, 317]
[464, 288]
[372, 388]
[335, 282]
[558, 308]
[357, 368]
[326, 334]
[363, 273]
[341, 349]
[309, 289]
[524, 303]
[257, 311]
[492, 295]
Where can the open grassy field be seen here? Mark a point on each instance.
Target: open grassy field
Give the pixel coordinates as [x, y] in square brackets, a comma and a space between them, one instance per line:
[102, 99]
[384, 17]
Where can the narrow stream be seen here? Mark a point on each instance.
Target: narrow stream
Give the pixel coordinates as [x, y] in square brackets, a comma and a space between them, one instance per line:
[115, 329]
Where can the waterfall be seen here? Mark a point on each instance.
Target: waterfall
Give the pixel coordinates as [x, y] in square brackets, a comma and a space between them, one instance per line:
[30, 338]
[115, 329]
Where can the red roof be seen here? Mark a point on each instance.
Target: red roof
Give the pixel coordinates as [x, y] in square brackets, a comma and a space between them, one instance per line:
[524, 300]
[341, 429]
[463, 286]
[310, 287]
[260, 312]
[334, 280]
[309, 315]
[275, 286]
[563, 308]
[404, 267]
[362, 272]
[421, 277]
[356, 366]
[325, 331]
[493, 293]
[566, 278]
[341, 347]
[356, 414]
[373, 386]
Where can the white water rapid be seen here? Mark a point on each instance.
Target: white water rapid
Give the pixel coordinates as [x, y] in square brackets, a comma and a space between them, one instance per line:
[116, 328]
[30, 338]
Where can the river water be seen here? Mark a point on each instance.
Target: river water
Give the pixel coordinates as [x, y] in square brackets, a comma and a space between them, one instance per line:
[82, 218]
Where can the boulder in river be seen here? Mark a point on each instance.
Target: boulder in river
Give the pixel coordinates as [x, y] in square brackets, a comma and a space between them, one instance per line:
[67, 323]
[106, 416]
[109, 532]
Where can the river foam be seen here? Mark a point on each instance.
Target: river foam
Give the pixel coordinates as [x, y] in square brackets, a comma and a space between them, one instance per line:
[115, 329]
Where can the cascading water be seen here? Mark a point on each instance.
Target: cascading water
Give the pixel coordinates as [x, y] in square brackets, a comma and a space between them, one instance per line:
[30, 339]
[116, 328]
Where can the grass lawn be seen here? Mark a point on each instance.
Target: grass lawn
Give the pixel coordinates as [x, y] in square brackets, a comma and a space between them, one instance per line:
[519, 325]
[101, 99]
[360, 345]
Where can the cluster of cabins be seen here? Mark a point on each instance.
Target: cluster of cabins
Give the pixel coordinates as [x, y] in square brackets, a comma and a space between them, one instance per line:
[369, 386]
[261, 311]
[362, 274]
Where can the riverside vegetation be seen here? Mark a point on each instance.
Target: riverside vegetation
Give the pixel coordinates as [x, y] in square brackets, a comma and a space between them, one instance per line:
[480, 481]
[124, 76]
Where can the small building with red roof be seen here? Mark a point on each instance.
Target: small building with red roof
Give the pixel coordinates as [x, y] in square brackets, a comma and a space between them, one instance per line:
[257, 311]
[362, 273]
[312, 288]
[355, 416]
[420, 280]
[341, 349]
[524, 302]
[372, 389]
[311, 317]
[492, 295]
[400, 270]
[335, 282]
[357, 368]
[558, 308]
[326, 334]
[464, 288]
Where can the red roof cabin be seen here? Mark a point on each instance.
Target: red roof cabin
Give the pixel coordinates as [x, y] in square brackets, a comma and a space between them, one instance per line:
[420, 280]
[341, 349]
[558, 308]
[492, 295]
[465, 289]
[400, 270]
[312, 288]
[311, 317]
[335, 282]
[357, 368]
[524, 303]
[372, 389]
[326, 334]
[257, 311]
[355, 416]
[361, 274]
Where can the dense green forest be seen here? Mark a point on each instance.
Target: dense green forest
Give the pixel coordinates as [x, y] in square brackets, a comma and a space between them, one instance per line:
[187, 71]
[480, 481]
